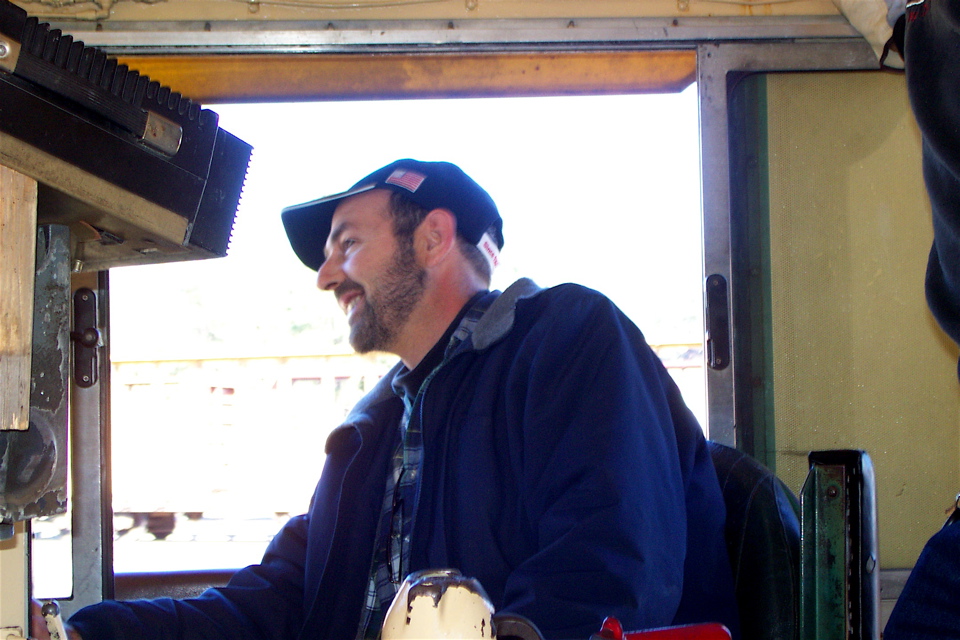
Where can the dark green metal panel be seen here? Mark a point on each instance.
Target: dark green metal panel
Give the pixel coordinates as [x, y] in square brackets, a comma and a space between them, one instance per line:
[824, 598]
[839, 578]
[750, 258]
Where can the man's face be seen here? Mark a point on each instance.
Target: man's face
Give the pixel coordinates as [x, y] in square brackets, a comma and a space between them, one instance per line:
[376, 280]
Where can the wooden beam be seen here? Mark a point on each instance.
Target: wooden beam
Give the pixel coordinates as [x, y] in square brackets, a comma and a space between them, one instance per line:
[18, 239]
[247, 78]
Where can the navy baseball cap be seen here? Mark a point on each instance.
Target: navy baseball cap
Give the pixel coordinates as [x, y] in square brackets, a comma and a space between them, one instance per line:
[432, 185]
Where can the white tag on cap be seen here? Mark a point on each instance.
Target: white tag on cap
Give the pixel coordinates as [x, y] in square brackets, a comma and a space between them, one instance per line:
[488, 247]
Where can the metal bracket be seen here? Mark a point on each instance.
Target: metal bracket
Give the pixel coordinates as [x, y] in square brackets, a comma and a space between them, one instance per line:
[162, 134]
[12, 633]
[9, 54]
[718, 322]
[85, 337]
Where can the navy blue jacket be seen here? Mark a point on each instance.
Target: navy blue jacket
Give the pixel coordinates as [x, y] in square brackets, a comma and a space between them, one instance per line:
[561, 469]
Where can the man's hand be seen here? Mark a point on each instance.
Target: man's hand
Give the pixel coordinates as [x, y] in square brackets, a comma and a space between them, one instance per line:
[39, 630]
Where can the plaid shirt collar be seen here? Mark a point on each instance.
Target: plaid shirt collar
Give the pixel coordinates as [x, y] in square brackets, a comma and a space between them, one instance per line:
[391, 560]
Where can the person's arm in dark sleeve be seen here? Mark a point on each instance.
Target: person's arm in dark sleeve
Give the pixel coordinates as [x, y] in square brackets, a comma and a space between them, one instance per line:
[263, 601]
[932, 57]
[602, 481]
[927, 606]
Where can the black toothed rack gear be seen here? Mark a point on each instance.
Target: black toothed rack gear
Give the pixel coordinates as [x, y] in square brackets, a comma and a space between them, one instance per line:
[139, 172]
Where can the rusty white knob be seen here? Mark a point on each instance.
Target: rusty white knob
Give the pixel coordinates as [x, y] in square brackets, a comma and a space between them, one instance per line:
[439, 604]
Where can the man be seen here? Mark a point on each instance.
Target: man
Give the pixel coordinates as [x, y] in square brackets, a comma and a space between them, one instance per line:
[530, 439]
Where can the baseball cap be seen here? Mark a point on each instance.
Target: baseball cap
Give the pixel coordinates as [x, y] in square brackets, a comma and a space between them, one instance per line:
[432, 185]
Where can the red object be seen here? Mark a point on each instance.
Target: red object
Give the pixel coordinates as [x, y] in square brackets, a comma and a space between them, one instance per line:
[613, 630]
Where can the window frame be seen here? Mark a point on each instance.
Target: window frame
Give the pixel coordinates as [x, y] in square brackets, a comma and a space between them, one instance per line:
[223, 62]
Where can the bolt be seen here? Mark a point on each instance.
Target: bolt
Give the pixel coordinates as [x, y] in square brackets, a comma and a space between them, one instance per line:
[4, 49]
[832, 492]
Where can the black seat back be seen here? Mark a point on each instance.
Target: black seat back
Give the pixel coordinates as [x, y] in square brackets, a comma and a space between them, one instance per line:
[763, 541]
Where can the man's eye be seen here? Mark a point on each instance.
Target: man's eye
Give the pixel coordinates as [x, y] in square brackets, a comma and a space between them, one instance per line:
[346, 243]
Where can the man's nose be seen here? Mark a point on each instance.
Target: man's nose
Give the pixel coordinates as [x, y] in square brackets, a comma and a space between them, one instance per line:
[329, 275]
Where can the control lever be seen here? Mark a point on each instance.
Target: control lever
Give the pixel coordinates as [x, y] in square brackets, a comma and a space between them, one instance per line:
[51, 615]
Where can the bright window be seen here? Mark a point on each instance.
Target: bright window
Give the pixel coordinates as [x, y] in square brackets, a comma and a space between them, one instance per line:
[228, 374]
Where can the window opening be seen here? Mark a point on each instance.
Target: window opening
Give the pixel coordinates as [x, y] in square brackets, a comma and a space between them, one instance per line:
[246, 365]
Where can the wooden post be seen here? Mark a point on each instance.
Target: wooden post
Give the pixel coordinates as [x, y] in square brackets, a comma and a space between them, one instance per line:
[18, 240]
[14, 617]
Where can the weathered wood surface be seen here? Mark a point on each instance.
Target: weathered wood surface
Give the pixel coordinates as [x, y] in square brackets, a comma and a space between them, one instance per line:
[18, 238]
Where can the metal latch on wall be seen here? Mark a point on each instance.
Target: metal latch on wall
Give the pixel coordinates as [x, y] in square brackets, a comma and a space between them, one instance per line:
[85, 337]
[718, 322]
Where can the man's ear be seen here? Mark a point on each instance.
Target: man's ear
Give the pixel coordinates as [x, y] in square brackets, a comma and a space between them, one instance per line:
[436, 236]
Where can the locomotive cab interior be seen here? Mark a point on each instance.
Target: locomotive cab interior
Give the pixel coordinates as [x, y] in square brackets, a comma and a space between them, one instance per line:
[815, 221]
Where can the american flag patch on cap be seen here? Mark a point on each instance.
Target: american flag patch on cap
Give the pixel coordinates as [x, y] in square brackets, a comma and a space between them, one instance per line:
[409, 180]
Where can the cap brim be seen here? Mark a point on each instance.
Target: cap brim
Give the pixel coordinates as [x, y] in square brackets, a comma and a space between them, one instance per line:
[308, 225]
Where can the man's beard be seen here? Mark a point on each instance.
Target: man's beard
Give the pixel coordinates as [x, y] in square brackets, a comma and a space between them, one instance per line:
[383, 315]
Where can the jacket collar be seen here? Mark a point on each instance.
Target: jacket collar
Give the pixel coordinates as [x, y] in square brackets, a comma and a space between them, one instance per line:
[498, 320]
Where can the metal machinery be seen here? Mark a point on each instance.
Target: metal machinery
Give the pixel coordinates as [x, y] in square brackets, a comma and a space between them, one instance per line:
[121, 171]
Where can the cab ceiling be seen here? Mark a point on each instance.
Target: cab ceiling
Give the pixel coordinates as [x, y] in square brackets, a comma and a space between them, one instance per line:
[245, 50]
[312, 10]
